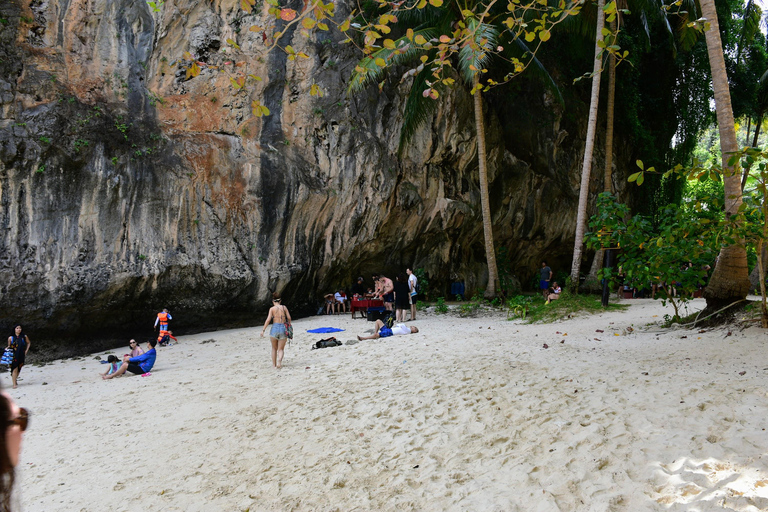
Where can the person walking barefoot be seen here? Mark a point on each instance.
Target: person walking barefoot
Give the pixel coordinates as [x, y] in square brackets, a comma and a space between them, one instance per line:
[278, 314]
[19, 343]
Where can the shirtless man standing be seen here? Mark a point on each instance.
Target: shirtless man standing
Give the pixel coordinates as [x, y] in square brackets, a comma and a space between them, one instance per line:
[385, 291]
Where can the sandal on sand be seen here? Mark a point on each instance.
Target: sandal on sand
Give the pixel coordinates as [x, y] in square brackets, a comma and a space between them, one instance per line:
[148, 374]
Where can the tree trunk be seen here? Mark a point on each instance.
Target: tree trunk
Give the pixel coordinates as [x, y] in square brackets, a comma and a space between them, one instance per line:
[754, 145]
[749, 127]
[729, 281]
[490, 251]
[608, 184]
[754, 276]
[761, 276]
[597, 262]
[581, 217]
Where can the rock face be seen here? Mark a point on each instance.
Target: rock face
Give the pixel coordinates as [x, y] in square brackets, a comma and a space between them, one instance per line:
[126, 187]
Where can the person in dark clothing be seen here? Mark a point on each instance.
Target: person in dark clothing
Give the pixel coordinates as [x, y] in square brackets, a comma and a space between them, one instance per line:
[402, 297]
[19, 343]
[358, 288]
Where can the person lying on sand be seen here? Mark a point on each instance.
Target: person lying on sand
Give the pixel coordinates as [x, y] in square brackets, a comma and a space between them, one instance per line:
[382, 331]
[137, 365]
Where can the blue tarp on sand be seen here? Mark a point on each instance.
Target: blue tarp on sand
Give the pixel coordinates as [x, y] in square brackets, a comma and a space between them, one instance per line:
[323, 330]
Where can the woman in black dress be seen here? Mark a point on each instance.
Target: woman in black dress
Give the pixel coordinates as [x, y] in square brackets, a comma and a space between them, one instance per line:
[19, 343]
[402, 297]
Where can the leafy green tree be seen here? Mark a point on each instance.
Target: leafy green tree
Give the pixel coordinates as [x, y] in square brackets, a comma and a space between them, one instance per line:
[674, 253]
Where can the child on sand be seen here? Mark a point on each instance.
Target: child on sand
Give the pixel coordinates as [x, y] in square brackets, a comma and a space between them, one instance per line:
[114, 365]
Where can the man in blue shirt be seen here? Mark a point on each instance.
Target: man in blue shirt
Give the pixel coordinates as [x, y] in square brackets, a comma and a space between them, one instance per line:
[138, 365]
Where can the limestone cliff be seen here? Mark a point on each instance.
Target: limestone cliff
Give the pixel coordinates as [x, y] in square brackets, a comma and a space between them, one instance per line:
[125, 186]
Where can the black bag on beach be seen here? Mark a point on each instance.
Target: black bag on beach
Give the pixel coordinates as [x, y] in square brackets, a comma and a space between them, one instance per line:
[328, 342]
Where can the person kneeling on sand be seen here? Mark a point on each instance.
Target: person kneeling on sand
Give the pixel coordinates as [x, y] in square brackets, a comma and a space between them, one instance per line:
[138, 365]
[382, 331]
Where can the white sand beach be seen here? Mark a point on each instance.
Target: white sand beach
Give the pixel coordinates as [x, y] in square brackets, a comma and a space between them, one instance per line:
[467, 415]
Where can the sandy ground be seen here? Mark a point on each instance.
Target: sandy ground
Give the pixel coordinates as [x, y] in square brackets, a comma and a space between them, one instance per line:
[469, 414]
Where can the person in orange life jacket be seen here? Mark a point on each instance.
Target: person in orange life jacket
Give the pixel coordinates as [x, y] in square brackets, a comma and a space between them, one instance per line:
[165, 338]
[162, 319]
[137, 365]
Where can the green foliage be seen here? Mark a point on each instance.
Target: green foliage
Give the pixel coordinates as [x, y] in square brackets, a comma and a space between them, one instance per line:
[114, 160]
[517, 306]
[80, 143]
[422, 282]
[441, 307]
[472, 307]
[675, 252]
[45, 140]
[459, 298]
[420, 305]
[567, 306]
[155, 99]
[121, 127]
[155, 6]
[508, 283]
[41, 169]
[142, 257]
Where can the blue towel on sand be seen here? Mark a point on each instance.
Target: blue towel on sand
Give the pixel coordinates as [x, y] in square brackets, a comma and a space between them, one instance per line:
[323, 330]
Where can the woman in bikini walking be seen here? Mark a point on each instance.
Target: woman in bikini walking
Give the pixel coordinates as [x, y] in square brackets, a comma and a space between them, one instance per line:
[278, 314]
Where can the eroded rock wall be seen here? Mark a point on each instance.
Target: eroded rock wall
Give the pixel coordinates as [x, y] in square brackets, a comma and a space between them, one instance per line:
[125, 186]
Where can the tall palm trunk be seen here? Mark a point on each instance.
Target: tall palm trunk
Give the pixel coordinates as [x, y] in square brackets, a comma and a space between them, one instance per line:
[485, 203]
[581, 217]
[608, 183]
[597, 262]
[729, 280]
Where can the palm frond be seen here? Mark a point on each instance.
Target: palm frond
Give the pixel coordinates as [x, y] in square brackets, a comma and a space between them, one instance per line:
[368, 71]
[752, 16]
[418, 109]
[476, 53]
[535, 68]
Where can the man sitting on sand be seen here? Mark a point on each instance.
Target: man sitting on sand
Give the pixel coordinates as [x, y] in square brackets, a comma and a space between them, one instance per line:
[137, 365]
[382, 331]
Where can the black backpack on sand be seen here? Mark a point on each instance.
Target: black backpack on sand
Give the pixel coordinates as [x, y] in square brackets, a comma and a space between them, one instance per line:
[328, 342]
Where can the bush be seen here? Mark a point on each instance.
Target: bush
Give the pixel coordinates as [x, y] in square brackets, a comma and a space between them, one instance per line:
[441, 307]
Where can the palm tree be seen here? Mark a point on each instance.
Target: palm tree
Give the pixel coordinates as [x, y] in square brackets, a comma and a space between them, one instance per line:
[473, 56]
[581, 216]
[729, 280]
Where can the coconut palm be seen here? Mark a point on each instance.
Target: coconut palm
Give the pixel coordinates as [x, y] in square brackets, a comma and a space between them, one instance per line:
[729, 280]
[474, 55]
[586, 170]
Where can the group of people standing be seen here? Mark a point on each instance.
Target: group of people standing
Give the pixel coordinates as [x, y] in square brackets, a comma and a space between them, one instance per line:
[398, 296]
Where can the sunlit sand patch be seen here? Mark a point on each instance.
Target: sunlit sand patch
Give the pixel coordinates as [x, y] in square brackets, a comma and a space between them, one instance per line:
[709, 483]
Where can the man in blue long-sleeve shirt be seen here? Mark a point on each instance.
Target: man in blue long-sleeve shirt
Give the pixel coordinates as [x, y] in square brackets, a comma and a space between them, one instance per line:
[138, 365]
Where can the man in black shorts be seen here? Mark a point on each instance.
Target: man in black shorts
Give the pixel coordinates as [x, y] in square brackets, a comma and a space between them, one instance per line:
[138, 365]
[386, 292]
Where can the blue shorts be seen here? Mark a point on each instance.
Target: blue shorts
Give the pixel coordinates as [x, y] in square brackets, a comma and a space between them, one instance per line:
[385, 332]
[278, 331]
[390, 297]
[543, 284]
